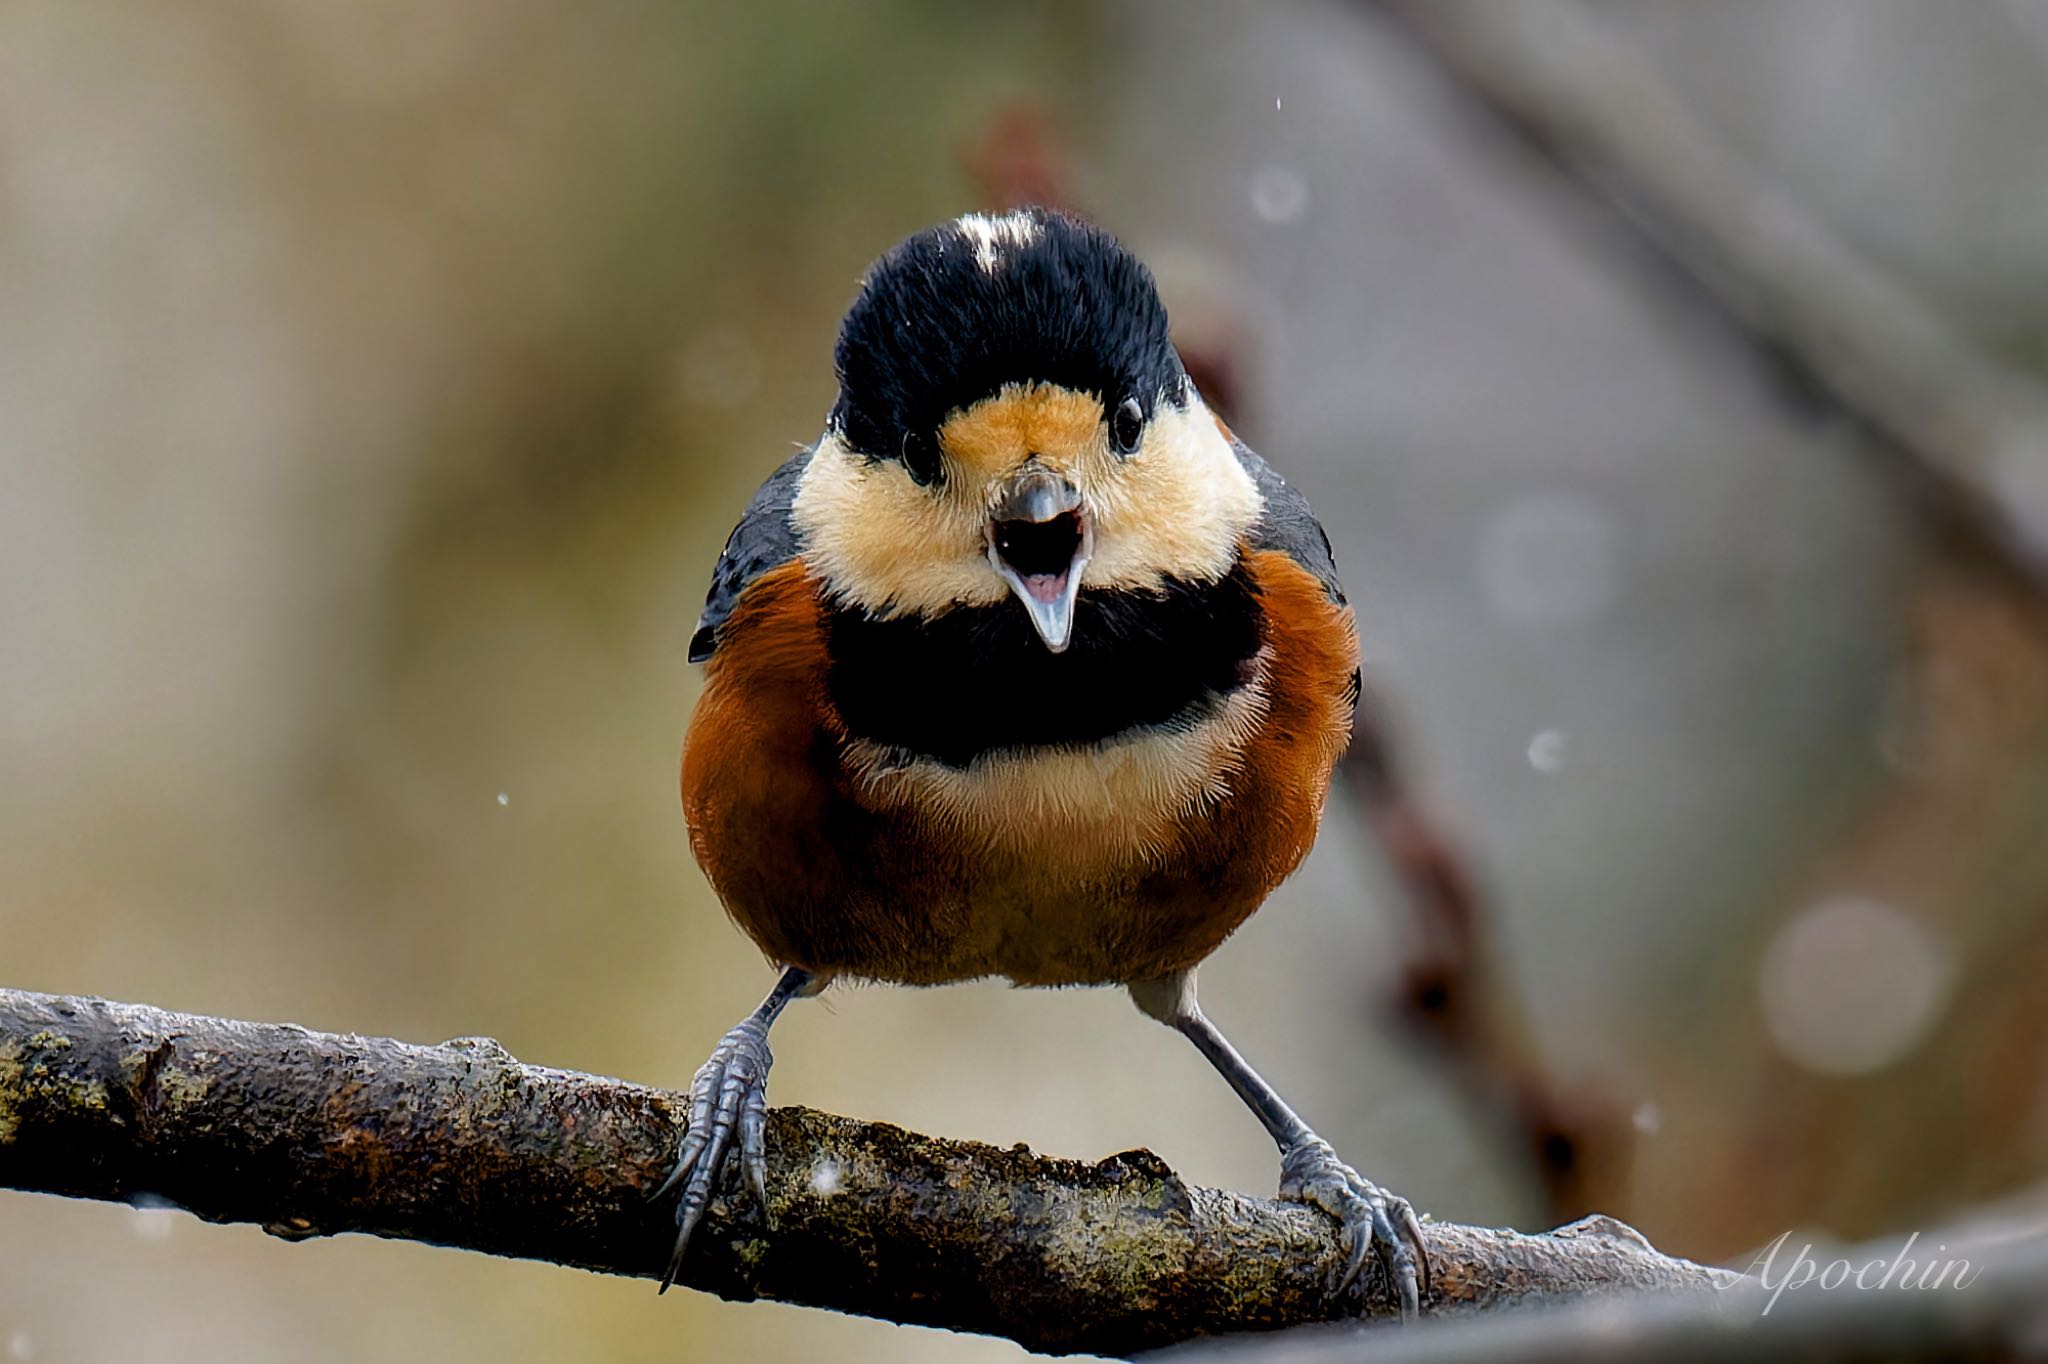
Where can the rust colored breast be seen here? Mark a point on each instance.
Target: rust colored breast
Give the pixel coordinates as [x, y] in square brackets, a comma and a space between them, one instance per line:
[829, 865]
[803, 865]
[760, 798]
[1225, 862]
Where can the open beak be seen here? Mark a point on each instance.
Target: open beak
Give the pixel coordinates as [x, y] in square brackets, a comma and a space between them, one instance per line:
[1039, 540]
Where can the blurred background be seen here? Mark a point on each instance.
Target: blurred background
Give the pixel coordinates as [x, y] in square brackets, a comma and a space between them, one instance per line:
[378, 383]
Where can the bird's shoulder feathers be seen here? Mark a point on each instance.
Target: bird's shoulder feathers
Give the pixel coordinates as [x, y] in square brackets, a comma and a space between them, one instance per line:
[1288, 524]
[765, 538]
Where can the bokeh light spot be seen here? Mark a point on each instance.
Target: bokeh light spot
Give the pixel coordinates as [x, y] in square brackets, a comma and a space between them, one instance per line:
[1546, 750]
[1279, 194]
[1851, 985]
[1547, 561]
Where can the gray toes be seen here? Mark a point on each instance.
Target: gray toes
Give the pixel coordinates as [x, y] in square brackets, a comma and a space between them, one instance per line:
[728, 1107]
[1372, 1220]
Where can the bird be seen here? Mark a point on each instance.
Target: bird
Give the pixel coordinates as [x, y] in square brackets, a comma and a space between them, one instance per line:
[1028, 667]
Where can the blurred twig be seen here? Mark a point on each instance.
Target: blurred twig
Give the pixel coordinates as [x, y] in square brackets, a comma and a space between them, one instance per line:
[1019, 160]
[312, 1134]
[1453, 990]
[1964, 437]
[1967, 436]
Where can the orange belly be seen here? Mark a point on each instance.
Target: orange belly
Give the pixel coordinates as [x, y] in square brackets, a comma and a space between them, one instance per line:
[1123, 862]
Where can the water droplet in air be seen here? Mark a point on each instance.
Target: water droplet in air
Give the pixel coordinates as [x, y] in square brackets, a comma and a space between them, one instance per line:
[1648, 1119]
[1279, 194]
[1546, 750]
[504, 798]
[825, 1178]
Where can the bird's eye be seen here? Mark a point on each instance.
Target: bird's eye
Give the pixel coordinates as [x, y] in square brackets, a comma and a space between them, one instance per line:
[1126, 427]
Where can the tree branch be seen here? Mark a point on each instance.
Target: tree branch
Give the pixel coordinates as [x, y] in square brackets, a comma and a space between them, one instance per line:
[311, 1134]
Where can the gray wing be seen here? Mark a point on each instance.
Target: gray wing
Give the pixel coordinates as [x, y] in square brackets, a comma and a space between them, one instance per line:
[1288, 525]
[764, 539]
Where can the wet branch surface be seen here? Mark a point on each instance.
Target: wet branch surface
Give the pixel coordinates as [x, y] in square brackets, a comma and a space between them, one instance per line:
[311, 1134]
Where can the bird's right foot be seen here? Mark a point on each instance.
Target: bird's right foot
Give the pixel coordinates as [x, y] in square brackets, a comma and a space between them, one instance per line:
[1372, 1219]
[728, 1099]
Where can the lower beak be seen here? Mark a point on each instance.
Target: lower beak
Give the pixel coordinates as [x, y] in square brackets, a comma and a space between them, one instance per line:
[1039, 539]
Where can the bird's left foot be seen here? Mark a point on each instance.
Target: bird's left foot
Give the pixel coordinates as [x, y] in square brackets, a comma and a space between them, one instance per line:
[1371, 1218]
[728, 1100]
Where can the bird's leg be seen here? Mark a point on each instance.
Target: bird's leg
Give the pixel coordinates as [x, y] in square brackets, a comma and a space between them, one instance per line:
[1310, 1172]
[729, 1098]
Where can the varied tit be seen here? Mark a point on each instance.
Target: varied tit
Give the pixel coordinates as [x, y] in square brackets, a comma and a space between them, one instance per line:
[1027, 668]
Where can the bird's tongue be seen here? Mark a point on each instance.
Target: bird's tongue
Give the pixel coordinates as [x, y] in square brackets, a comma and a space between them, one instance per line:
[1048, 599]
[1045, 587]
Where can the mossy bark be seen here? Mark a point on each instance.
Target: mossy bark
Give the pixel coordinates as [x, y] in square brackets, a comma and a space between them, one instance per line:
[311, 1134]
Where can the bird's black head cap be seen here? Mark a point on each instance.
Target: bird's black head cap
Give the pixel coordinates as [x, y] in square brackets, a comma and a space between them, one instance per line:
[951, 315]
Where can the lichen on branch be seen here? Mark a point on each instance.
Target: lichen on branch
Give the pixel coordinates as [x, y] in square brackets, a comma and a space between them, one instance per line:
[310, 1134]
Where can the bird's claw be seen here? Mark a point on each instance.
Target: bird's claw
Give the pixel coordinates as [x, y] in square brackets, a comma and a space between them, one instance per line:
[728, 1098]
[1371, 1218]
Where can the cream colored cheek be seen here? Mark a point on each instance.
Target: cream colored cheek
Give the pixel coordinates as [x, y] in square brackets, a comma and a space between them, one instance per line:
[881, 541]
[1180, 507]
[915, 552]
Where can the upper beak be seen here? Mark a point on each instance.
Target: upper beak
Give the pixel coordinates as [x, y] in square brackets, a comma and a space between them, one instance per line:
[1039, 539]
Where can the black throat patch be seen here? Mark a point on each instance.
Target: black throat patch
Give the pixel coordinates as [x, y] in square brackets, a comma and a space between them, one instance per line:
[977, 679]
